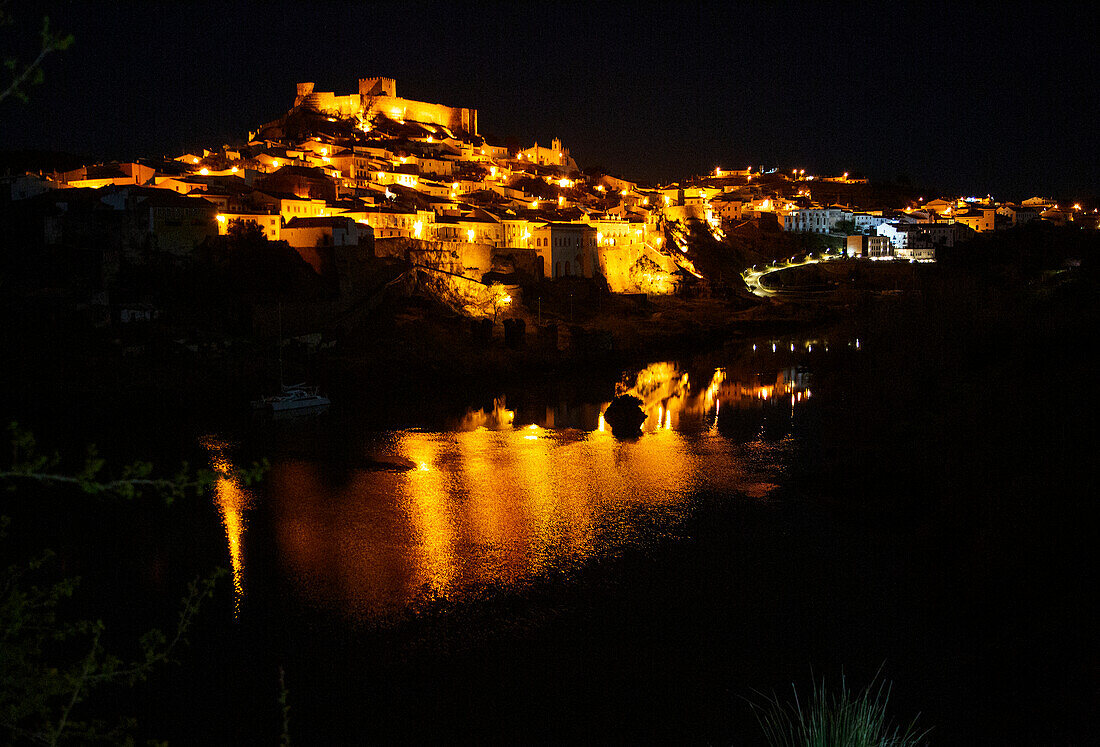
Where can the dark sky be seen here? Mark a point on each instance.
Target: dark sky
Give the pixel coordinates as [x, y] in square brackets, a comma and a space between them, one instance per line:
[1000, 99]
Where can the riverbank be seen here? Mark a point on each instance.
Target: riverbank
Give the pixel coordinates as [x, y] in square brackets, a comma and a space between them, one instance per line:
[409, 344]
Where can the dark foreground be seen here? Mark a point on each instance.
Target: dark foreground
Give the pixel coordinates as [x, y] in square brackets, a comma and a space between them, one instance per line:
[939, 527]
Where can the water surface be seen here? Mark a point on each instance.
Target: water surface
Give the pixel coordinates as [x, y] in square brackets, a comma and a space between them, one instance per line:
[492, 500]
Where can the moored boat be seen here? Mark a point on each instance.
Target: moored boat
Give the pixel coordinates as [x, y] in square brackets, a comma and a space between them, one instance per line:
[296, 397]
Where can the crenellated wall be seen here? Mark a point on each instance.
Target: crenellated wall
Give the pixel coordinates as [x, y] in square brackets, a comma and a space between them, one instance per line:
[379, 95]
[420, 111]
[377, 87]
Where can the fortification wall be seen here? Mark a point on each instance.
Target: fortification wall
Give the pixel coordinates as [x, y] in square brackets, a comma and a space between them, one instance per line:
[377, 87]
[420, 111]
[684, 213]
[329, 103]
[380, 94]
[471, 260]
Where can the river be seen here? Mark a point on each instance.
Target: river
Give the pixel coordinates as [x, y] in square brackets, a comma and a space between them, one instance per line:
[497, 566]
[494, 498]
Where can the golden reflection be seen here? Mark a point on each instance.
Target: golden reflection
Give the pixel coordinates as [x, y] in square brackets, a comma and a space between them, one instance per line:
[232, 500]
[426, 498]
[671, 403]
[662, 388]
[498, 417]
[490, 503]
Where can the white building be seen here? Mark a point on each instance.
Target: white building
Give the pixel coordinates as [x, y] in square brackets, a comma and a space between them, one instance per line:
[868, 221]
[816, 220]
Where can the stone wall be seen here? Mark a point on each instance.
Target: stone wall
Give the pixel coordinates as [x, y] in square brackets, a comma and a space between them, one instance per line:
[420, 111]
[379, 95]
[464, 258]
[635, 268]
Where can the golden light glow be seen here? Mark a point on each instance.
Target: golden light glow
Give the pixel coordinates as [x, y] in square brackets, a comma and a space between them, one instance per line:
[220, 218]
[275, 163]
[427, 509]
[234, 169]
[487, 505]
[470, 235]
[232, 501]
[204, 171]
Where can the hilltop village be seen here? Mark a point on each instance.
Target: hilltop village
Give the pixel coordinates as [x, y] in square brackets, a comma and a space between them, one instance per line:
[343, 185]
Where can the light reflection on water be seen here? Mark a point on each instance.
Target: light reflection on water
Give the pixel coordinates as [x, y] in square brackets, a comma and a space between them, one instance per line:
[487, 507]
[232, 501]
[492, 502]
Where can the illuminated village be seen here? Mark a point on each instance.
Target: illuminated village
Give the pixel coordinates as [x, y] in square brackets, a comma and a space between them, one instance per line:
[575, 458]
[384, 176]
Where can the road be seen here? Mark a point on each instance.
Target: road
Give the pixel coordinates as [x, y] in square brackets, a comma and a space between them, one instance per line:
[754, 276]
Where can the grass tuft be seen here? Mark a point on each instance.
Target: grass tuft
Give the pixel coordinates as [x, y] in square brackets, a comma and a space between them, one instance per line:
[837, 718]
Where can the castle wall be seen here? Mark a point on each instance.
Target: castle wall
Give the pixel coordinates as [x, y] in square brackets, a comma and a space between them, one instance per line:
[377, 87]
[420, 111]
[329, 103]
[381, 96]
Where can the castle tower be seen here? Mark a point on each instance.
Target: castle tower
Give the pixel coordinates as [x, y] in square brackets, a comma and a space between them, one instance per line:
[304, 89]
[377, 87]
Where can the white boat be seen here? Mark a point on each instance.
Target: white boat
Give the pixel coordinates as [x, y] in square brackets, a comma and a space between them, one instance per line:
[296, 397]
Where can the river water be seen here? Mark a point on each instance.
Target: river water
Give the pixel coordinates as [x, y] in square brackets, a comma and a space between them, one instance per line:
[494, 565]
[424, 568]
[455, 549]
[494, 498]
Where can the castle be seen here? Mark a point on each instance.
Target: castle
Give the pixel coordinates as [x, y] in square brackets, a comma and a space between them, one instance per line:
[379, 96]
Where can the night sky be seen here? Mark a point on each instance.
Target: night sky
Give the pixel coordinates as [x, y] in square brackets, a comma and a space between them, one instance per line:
[974, 100]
